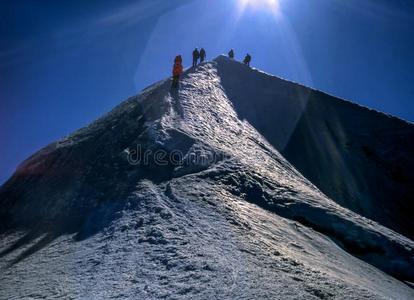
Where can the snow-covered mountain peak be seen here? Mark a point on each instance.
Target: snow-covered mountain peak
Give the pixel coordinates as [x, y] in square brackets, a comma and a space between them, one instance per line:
[178, 193]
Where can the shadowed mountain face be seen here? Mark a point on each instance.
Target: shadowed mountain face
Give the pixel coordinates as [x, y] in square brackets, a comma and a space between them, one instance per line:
[173, 193]
[360, 158]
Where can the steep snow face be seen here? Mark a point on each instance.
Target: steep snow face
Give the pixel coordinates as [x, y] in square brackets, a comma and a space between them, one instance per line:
[360, 158]
[173, 195]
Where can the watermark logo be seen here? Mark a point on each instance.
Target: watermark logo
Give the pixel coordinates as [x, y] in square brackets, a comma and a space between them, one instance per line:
[161, 157]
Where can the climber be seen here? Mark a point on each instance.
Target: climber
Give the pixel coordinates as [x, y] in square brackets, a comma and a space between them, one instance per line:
[177, 70]
[202, 55]
[196, 56]
[247, 59]
[178, 59]
[231, 54]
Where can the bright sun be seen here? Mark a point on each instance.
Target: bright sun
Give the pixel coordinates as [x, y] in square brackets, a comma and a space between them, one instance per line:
[272, 5]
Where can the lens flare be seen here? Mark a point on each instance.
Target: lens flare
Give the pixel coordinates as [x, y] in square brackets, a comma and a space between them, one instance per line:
[272, 5]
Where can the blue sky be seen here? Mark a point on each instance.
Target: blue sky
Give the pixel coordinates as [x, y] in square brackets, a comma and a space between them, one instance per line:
[65, 63]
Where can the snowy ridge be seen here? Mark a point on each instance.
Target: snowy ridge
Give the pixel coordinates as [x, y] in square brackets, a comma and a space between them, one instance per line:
[359, 157]
[315, 90]
[243, 224]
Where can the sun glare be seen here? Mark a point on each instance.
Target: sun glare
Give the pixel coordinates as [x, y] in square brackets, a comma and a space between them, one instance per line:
[269, 5]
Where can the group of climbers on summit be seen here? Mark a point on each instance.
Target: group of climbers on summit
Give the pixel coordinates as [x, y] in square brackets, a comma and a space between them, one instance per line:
[198, 55]
[247, 59]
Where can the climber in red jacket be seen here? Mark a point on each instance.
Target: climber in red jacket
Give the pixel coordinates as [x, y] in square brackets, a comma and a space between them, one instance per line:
[177, 70]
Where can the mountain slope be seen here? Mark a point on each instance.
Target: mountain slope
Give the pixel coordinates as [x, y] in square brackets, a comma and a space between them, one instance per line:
[172, 195]
[360, 158]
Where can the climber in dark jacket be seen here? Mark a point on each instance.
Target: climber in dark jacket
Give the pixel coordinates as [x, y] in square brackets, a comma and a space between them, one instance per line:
[196, 56]
[231, 54]
[247, 59]
[202, 55]
[177, 70]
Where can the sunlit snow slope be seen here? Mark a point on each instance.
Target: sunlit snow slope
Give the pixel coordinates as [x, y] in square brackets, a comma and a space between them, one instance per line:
[360, 158]
[227, 217]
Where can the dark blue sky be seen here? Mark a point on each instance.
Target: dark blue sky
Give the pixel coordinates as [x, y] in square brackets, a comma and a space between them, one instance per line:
[65, 63]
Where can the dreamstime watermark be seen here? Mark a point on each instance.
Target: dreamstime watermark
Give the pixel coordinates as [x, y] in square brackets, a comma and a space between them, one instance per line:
[161, 157]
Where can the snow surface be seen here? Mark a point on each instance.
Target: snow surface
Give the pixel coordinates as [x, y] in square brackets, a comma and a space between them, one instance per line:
[80, 221]
[360, 158]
